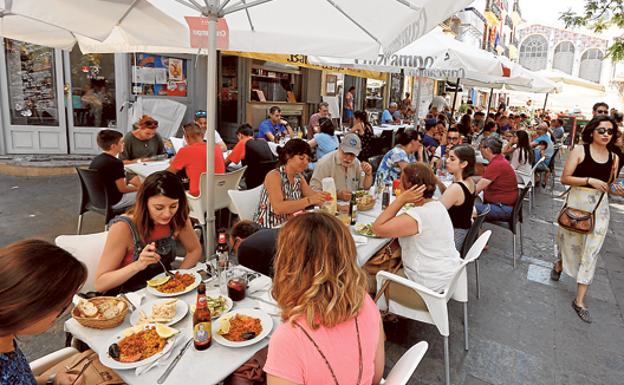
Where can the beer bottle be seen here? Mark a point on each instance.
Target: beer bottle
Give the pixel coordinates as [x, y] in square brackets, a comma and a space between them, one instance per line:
[353, 208]
[385, 198]
[202, 324]
[223, 252]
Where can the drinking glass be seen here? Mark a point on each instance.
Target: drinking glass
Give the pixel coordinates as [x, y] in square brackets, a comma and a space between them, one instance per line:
[236, 283]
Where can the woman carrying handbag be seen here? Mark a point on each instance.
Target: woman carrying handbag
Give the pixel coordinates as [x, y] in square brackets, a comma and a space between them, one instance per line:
[584, 218]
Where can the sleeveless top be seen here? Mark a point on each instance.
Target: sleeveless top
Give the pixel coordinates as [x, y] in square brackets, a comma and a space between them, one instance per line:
[265, 216]
[14, 368]
[461, 215]
[367, 143]
[162, 236]
[589, 168]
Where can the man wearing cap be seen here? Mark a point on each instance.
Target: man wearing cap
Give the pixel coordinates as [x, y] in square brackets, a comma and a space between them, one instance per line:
[200, 119]
[143, 142]
[348, 172]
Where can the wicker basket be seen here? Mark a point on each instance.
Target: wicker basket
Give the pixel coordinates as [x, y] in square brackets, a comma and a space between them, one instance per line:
[97, 323]
[362, 207]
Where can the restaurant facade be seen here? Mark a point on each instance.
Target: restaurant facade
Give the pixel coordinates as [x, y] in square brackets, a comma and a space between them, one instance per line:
[55, 101]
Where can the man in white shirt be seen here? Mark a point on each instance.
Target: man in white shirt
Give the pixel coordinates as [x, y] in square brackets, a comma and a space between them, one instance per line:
[439, 102]
[200, 118]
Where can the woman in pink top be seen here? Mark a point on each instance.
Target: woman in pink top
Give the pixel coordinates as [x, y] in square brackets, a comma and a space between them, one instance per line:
[332, 331]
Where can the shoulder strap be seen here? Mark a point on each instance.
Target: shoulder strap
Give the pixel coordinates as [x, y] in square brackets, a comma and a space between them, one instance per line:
[331, 370]
[136, 238]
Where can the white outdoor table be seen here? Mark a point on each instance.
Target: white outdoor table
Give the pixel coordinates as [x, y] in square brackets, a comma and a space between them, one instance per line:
[145, 169]
[388, 127]
[366, 251]
[196, 367]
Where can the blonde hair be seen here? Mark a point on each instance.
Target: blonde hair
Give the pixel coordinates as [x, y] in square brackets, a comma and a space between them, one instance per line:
[316, 271]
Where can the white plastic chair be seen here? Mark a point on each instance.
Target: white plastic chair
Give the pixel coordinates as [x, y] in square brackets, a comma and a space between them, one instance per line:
[87, 249]
[40, 365]
[223, 183]
[245, 202]
[406, 365]
[532, 189]
[436, 312]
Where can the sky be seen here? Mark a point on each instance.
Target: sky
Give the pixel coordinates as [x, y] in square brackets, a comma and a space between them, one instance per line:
[547, 12]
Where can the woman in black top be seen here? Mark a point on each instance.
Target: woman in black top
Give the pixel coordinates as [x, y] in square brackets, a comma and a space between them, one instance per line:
[364, 130]
[588, 171]
[458, 198]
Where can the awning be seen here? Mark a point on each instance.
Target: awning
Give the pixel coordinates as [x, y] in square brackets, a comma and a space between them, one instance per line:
[302, 61]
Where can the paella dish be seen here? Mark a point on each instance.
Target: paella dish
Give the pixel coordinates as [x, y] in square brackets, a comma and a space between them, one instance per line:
[240, 328]
[138, 346]
[176, 284]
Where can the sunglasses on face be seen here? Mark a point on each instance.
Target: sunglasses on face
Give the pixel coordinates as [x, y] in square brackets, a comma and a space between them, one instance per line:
[602, 111]
[608, 131]
[200, 114]
[151, 123]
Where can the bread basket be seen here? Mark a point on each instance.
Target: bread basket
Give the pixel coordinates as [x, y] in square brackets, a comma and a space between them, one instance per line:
[367, 206]
[98, 322]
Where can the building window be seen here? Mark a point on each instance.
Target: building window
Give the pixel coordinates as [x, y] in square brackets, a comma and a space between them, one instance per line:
[591, 65]
[564, 57]
[534, 52]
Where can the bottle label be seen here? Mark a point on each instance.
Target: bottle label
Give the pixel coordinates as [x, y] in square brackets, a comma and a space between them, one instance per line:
[202, 333]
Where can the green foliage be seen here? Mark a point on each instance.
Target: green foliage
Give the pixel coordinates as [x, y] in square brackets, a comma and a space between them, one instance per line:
[599, 16]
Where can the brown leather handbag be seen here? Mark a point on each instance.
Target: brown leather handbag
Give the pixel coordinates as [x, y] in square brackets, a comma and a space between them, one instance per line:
[581, 221]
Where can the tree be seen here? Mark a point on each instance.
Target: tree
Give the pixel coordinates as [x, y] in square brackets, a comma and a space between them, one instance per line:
[599, 16]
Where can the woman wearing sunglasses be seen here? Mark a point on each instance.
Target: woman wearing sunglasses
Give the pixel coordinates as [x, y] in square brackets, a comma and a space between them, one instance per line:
[143, 142]
[37, 283]
[588, 171]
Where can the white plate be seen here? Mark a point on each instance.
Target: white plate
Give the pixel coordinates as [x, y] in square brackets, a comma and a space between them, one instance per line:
[181, 310]
[157, 293]
[265, 320]
[228, 305]
[109, 362]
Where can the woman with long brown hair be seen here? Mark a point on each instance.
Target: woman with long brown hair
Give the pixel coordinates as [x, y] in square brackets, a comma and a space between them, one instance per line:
[332, 331]
[147, 234]
[37, 283]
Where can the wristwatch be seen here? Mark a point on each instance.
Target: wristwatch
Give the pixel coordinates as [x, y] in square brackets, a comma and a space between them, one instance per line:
[51, 380]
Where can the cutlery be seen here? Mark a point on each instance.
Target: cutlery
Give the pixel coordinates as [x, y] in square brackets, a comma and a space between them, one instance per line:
[82, 370]
[271, 314]
[173, 363]
[170, 274]
[130, 305]
[262, 300]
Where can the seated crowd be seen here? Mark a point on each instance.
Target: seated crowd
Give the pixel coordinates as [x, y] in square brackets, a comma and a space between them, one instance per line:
[312, 258]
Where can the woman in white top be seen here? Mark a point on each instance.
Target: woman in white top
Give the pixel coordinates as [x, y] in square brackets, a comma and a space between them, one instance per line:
[522, 156]
[425, 231]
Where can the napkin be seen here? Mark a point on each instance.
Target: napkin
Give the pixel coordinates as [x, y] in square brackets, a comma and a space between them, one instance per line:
[135, 299]
[360, 240]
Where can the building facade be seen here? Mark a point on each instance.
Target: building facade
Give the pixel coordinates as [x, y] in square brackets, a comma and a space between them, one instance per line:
[576, 54]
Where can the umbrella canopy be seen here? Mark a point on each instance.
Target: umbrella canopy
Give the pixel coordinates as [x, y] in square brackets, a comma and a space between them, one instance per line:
[343, 28]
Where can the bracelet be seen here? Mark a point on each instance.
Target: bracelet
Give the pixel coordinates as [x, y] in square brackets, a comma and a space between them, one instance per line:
[587, 181]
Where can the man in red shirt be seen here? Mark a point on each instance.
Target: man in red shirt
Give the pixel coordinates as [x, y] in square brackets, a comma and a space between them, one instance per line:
[244, 133]
[192, 157]
[498, 183]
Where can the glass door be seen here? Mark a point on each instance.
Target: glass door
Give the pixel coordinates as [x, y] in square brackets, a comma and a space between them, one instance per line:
[90, 98]
[32, 99]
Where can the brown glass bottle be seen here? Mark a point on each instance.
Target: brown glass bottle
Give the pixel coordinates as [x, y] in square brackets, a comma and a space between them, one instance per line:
[202, 321]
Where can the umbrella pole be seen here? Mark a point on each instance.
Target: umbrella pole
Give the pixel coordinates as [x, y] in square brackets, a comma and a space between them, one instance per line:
[546, 101]
[211, 109]
[455, 97]
[489, 102]
[418, 91]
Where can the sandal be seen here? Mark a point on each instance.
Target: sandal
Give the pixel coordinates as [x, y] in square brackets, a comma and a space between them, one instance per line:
[554, 274]
[582, 312]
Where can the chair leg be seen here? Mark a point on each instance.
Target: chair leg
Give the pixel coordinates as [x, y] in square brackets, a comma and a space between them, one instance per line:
[521, 243]
[447, 369]
[477, 278]
[514, 251]
[79, 224]
[466, 325]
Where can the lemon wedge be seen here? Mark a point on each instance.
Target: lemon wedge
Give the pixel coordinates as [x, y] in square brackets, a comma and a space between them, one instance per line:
[165, 331]
[158, 281]
[224, 326]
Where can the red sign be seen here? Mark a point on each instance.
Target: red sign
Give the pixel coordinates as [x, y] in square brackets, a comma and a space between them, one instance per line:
[198, 29]
[506, 71]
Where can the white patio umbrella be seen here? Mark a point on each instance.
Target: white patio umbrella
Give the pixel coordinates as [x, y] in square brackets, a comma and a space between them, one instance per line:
[343, 28]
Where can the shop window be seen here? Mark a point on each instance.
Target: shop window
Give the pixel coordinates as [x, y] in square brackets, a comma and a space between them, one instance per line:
[564, 57]
[275, 82]
[159, 75]
[228, 94]
[32, 85]
[93, 89]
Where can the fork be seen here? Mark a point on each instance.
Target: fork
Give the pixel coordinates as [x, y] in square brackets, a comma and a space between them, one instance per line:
[167, 272]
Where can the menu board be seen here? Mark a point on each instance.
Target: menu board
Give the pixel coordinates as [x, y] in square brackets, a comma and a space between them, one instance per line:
[159, 75]
[32, 87]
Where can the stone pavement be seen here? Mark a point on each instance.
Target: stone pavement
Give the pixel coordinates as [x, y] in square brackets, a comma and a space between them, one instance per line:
[522, 330]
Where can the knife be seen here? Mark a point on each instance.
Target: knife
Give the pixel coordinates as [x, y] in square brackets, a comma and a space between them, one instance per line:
[173, 363]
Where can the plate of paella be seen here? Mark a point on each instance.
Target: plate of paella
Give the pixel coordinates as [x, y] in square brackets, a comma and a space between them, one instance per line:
[182, 282]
